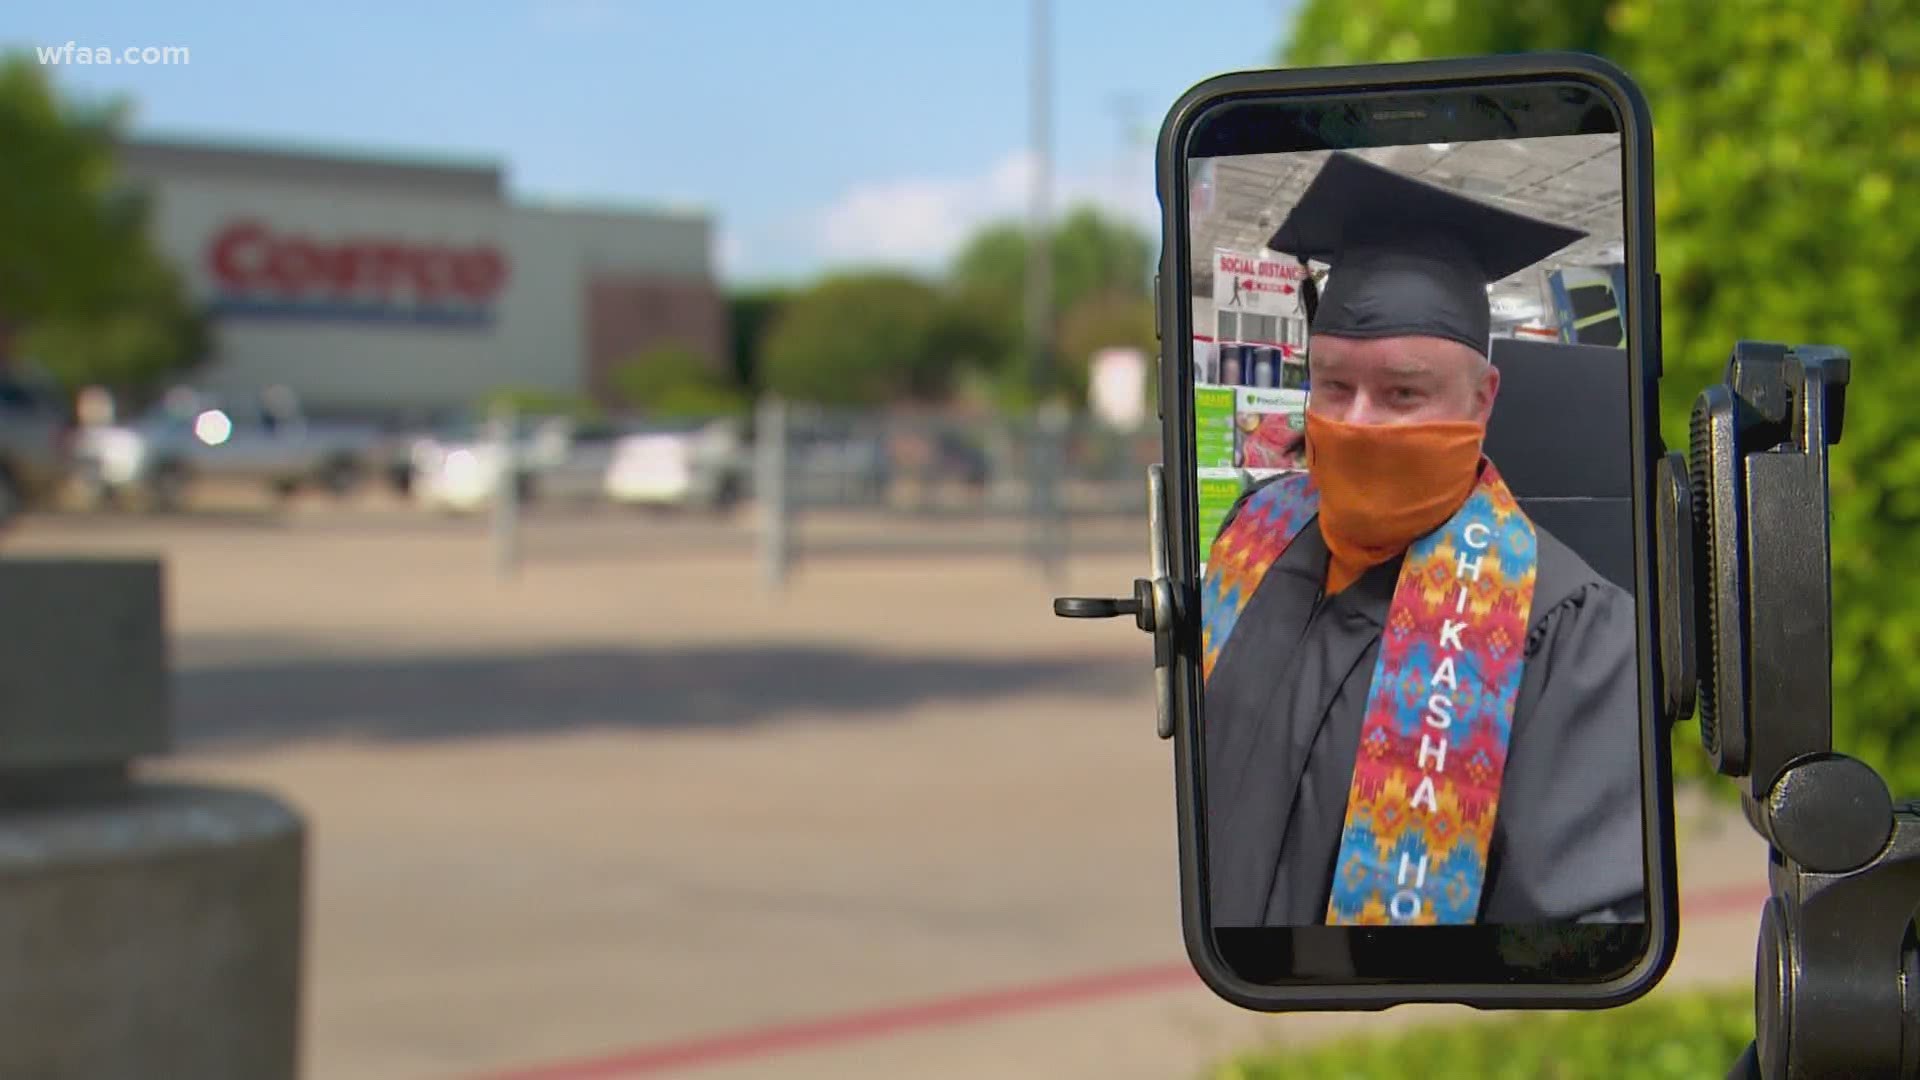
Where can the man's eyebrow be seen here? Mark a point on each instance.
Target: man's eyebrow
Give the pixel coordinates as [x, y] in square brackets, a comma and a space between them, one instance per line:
[1406, 370]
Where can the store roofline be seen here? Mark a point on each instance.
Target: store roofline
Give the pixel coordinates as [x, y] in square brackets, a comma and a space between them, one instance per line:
[285, 162]
[590, 207]
[315, 150]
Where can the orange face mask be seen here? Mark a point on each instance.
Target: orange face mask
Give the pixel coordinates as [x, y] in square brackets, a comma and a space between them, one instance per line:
[1383, 486]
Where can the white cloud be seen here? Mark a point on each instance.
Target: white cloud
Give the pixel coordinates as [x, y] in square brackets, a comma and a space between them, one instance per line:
[923, 222]
[907, 221]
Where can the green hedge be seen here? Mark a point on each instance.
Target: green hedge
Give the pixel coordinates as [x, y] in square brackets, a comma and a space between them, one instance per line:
[1663, 1035]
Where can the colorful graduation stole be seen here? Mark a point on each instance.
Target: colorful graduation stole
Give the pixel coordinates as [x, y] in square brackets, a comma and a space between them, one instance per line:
[1433, 743]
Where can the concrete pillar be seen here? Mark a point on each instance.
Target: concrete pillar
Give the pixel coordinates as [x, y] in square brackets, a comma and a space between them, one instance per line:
[146, 929]
[153, 932]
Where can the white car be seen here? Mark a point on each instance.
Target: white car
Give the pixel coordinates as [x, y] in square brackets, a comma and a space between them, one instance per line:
[702, 465]
[191, 437]
[460, 475]
[552, 461]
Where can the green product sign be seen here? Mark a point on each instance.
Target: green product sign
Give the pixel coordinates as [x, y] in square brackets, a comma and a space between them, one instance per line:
[1213, 409]
[1216, 498]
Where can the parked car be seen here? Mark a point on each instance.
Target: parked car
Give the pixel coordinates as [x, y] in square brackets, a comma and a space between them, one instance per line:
[569, 461]
[460, 467]
[692, 465]
[191, 438]
[398, 450]
[835, 468]
[36, 443]
[554, 460]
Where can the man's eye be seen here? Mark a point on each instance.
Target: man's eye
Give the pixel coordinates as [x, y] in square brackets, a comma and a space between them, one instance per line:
[1404, 395]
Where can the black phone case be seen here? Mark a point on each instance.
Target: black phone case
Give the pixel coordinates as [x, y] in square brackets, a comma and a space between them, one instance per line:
[1177, 426]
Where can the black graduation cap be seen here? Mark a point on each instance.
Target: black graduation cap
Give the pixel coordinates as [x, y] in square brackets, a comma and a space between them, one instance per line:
[1406, 256]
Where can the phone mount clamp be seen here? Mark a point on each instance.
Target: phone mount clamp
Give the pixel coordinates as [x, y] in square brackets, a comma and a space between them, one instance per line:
[1155, 604]
[1837, 976]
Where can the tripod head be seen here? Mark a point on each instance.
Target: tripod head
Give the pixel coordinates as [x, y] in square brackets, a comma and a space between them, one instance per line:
[1760, 541]
[1746, 549]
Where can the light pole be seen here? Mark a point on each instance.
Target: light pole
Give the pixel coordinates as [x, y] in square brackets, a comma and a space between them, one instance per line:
[1044, 452]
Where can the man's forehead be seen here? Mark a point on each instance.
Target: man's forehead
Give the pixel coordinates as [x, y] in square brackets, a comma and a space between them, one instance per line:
[1410, 354]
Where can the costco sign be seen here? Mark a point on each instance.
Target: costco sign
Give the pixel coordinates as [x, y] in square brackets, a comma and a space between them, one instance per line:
[258, 271]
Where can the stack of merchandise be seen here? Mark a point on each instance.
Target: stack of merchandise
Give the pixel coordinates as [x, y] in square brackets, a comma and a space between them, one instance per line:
[1243, 435]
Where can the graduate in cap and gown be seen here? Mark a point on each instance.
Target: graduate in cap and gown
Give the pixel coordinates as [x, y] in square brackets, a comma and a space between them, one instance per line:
[1420, 707]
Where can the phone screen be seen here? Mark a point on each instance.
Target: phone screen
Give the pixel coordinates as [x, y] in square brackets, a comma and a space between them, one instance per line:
[1413, 476]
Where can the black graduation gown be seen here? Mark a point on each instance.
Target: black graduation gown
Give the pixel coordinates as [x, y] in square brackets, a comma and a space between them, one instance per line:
[1281, 725]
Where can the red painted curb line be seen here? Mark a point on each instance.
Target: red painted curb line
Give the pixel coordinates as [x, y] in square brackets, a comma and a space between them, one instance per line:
[859, 1025]
[779, 1038]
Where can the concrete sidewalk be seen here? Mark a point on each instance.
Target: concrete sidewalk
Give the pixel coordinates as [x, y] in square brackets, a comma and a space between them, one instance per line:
[527, 904]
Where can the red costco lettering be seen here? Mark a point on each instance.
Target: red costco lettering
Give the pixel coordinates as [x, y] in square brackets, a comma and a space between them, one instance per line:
[232, 252]
[247, 257]
[480, 272]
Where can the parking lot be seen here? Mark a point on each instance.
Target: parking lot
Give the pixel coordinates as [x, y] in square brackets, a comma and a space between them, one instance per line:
[626, 812]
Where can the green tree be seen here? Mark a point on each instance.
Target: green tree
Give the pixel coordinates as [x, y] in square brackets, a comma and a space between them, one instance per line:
[1388, 31]
[1787, 145]
[1102, 321]
[857, 339]
[149, 331]
[981, 333]
[750, 314]
[82, 292]
[530, 401]
[676, 381]
[1094, 259]
[1788, 148]
[56, 228]
[1090, 254]
[993, 262]
[1093, 254]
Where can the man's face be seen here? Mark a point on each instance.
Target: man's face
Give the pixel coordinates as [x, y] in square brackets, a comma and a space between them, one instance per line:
[1398, 380]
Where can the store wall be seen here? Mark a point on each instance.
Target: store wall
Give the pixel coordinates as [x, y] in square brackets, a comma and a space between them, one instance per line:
[535, 334]
[636, 283]
[629, 315]
[334, 362]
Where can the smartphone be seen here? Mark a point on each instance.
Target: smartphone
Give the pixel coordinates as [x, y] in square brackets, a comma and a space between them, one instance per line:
[1420, 755]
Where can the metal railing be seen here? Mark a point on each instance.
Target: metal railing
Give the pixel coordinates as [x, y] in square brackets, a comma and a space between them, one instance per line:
[1009, 483]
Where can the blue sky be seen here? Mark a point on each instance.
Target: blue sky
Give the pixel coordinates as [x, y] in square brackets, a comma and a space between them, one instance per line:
[817, 134]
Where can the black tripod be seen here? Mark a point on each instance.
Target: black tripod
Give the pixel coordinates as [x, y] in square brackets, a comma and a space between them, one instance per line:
[1837, 981]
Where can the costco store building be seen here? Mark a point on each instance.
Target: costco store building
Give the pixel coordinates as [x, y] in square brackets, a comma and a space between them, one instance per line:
[377, 287]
